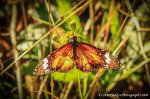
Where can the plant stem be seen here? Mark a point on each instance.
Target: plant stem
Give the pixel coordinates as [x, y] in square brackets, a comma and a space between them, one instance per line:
[92, 22]
[99, 73]
[24, 13]
[79, 86]
[85, 81]
[49, 11]
[41, 87]
[68, 89]
[16, 54]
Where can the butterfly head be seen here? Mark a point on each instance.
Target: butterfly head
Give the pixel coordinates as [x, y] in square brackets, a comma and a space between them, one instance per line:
[72, 36]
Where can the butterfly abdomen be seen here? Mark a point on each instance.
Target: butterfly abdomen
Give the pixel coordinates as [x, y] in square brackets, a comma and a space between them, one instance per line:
[74, 42]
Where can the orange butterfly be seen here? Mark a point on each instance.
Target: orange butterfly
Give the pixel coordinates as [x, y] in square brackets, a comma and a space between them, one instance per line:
[85, 56]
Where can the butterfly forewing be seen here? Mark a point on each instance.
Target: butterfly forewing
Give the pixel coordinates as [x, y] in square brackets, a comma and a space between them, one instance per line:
[60, 60]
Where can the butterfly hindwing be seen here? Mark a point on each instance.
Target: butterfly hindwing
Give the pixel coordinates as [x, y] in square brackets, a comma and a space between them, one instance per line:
[60, 60]
[108, 60]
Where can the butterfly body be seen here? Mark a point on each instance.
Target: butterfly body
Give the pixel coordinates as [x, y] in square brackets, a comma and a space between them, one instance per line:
[86, 57]
[74, 45]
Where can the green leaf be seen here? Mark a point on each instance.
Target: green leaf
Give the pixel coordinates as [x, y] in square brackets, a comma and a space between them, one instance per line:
[71, 75]
[126, 74]
[115, 24]
[114, 28]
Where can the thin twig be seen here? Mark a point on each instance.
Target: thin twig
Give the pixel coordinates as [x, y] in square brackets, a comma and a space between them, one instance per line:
[143, 29]
[50, 94]
[108, 25]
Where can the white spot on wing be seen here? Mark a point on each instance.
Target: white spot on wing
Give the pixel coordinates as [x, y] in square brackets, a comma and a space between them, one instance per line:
[106, 65]
[45, 63]
[46, 71]
[107, 58]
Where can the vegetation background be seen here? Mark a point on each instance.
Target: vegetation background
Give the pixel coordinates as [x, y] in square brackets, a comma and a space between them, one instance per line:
[32, 29]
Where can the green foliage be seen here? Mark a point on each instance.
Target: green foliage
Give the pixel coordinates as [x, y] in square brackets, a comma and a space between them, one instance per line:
[115, 25]
[63, 7]
[41, 11]
[107, 77]
[72, 75]
[114, 28]
[28, 67]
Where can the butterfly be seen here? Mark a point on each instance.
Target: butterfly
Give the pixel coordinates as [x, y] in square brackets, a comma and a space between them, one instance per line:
[86, 57]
